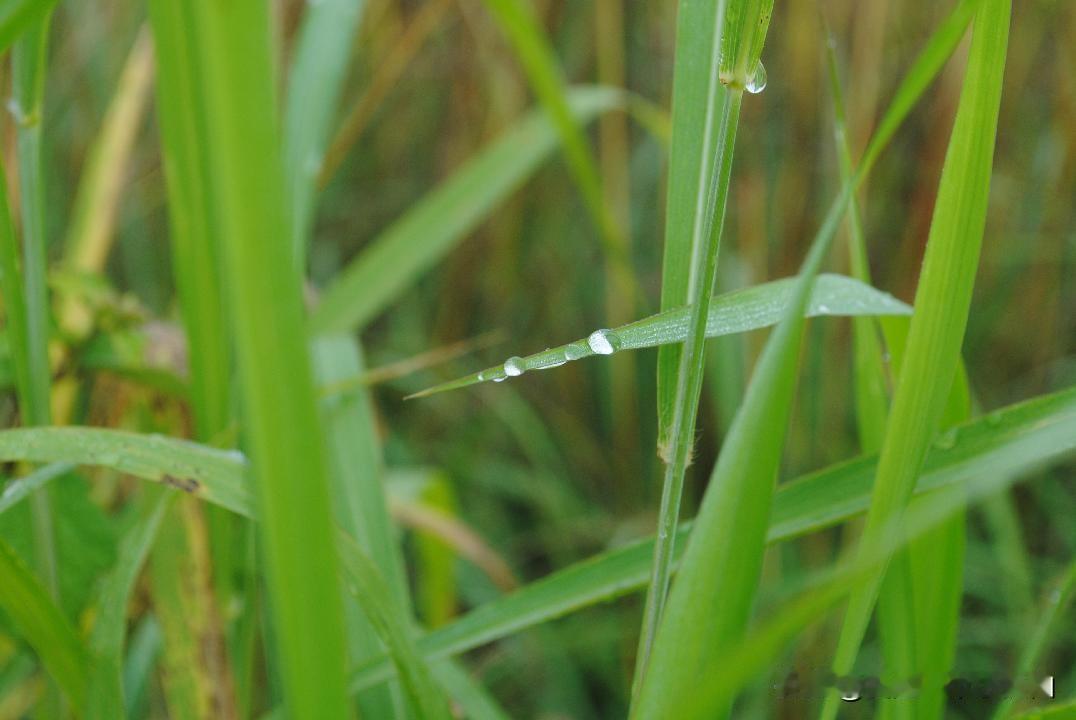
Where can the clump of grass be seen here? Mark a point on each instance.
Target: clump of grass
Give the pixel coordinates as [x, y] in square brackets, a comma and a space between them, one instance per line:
[318, 548]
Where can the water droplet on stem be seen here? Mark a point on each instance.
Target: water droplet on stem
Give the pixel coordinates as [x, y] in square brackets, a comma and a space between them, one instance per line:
[756, 81]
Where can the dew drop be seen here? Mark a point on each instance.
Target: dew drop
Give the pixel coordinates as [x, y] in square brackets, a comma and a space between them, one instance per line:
[823, 309]
[513, 366]
[604, 342]
[574, 351]
[756, 83]
[499, 379]
[850, 695]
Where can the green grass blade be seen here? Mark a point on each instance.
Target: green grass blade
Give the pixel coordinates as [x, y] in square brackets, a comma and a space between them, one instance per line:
[91, 231]
[1052, 612]
[695, 114]
[28, 63]
[382, 609]
[729, 673]
[983, 453]
[942, 299]
[181, 111]
[735, 312]
[14, 295]
[738, 32]
[17, 16]
[868, 367]
[359, 497]
[29, 59]
[318, 67]
[216, 476]
[43, 625]
[517, 21]
[105, 696]
[18, 490]
[415, 242]
[280, 418]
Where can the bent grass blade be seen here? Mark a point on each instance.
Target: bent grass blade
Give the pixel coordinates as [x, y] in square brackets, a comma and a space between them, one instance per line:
[740, 311]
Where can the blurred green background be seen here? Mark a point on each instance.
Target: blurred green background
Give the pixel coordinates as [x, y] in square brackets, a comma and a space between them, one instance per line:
[556, 466]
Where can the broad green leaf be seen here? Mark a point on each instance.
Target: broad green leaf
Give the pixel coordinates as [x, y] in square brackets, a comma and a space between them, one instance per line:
[415, 242]
[43, 625]
[735, 312]
[975, 457]
[943, 299]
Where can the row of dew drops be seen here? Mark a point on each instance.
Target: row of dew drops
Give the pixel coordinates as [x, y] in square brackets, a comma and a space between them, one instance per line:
[599, 342]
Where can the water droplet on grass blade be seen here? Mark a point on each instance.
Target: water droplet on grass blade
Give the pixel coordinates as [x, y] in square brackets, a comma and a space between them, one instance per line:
[574, 351]
[499, 379]
[513, 366]
[756, 82]
[604, 342]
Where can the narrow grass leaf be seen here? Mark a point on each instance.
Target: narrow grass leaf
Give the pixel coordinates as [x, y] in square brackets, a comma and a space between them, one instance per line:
[216, 476]
[39, 621]
[318, 67]
[16, 16]
[92, 230]
[1052, 612]
[105, 696]
[735, 312]
[28, 62]
[739, 30]
[517, 21]
[419, 239]
[942, 301]
[360, 506]
[15, 491]
[280, 418]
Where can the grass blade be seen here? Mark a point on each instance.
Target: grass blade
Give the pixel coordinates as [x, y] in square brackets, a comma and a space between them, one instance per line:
[739, 30]
[735, 312]
[362, 512]
[28, 63]
[318, 67]
[280, 417]
[517, 20]
[1053, 611]
[92, 230]
[43, 625]
[105, 697]
[16, 16]
[431, 228]
[943, 299]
